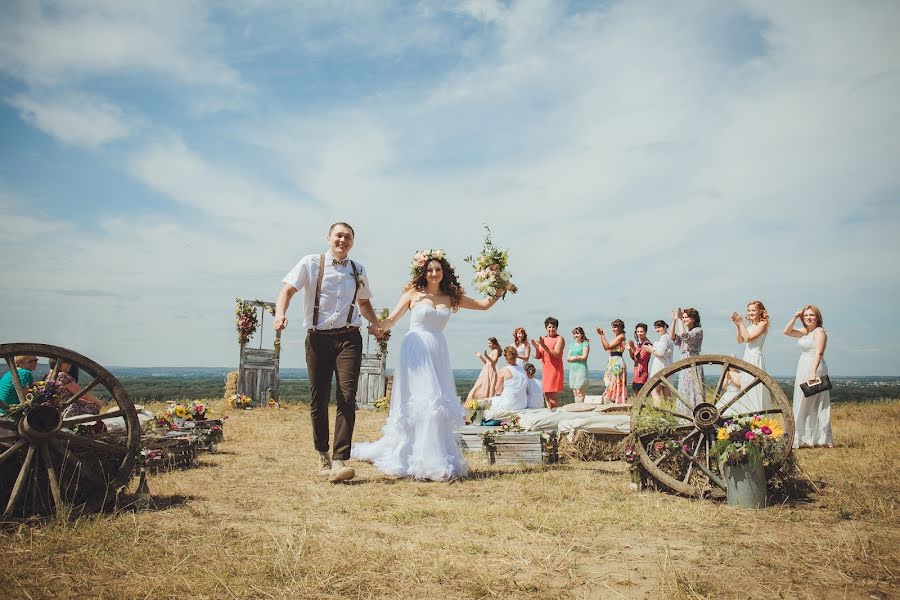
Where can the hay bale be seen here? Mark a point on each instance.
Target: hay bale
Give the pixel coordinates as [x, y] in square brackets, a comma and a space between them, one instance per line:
[231, 385]
[584, 446]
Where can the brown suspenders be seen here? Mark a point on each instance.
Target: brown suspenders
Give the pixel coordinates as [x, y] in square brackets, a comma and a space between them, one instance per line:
[319, 291]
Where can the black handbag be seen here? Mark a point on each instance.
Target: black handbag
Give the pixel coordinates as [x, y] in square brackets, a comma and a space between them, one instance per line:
[815, 386]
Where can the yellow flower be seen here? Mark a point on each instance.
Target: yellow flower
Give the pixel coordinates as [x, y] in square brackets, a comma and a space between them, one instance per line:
[722, 434]
[180, 412]
[775, 426]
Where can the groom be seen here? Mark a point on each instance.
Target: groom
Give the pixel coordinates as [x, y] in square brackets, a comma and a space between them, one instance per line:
[334, 297]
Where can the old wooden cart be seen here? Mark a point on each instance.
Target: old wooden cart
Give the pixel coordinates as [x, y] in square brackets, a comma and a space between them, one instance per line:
[49, 460]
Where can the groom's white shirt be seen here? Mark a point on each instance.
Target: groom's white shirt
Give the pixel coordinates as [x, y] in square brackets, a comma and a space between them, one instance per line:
[337, 290]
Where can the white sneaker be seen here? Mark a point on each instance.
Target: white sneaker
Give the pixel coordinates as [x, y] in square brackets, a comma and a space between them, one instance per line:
[324, 464]
[340, 472]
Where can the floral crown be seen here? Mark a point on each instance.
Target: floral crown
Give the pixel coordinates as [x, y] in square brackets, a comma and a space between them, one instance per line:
[421, 258]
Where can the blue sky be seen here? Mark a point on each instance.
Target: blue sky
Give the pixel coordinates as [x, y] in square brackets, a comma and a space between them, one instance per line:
[159, 159]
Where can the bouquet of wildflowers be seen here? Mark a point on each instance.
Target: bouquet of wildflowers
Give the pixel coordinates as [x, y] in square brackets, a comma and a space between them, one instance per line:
[476, 404]
[511, 424]
[247, 321]
[491, 275]
[383, 342]
[240, 401]
[197, 410]
[748, 439]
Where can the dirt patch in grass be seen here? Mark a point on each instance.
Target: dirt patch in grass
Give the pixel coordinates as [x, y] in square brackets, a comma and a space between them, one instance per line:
[256, 521]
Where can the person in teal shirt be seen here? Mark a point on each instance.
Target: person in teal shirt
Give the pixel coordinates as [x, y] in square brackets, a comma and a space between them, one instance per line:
[24, 365]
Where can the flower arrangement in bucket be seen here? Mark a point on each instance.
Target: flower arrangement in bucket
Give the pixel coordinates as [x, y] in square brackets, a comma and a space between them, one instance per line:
[749, 439]
[743, 445]
[492, 278]
[40, 392]
[197, 410]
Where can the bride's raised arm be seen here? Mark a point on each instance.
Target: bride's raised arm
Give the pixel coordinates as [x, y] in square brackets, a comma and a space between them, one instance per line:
[399, 310]
[473, 304]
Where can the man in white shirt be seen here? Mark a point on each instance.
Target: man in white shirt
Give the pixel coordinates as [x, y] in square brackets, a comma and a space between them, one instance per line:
[333, 341]
[534, 390]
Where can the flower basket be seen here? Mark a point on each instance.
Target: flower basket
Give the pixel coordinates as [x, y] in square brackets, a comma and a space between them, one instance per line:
[745, 484]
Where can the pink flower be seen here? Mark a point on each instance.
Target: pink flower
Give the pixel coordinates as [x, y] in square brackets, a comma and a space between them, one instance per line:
[750, 436]
[420, 262]
[766, 430]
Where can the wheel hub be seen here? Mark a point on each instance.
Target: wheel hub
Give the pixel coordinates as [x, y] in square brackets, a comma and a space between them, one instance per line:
[706, 416]
[40, 422]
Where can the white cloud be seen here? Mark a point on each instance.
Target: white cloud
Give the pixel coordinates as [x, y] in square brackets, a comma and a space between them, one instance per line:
[75, 40]
[22, 224]
[75, 118]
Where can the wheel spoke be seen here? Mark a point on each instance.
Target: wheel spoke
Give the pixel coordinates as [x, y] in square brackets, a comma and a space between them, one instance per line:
[11, 451]
[81, 393]
[674, 413]
[8, 425]
[51, 476]
[706, 470]
[756, 381]
[768, 411]
[54, 371]
[689, 436]
[20, 482]
[720, 384]
[17, 383]
[691, 464]
[92, 418]
[684, 402]
[80, 440]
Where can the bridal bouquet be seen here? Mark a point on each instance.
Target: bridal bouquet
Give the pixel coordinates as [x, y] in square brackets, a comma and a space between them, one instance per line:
[491, 275]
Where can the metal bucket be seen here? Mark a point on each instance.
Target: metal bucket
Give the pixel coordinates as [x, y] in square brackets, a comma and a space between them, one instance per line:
[745, 485]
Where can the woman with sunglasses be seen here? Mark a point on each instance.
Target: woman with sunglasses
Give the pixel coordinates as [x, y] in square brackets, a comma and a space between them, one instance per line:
[24, 366]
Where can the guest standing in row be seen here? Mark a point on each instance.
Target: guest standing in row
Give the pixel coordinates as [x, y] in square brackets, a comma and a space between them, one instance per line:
[690, 381]
[549, 350]
[640, 351]
[812, 414]
[662, 356]
[523, 349]
[753, 334]
[578, 370]
[615, 375]
[487, 385]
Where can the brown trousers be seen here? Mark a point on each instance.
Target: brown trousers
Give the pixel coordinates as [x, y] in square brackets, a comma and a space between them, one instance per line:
[328, 356]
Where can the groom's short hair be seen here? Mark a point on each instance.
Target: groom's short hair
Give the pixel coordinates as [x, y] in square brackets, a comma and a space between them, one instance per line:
[342, 224]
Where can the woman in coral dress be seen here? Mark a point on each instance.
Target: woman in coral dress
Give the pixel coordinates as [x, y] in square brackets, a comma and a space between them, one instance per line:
[549, 349]
[615, 375]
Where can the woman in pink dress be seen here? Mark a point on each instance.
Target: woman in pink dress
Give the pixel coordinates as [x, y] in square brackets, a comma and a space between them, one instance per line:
[488, 384]
[549, 349]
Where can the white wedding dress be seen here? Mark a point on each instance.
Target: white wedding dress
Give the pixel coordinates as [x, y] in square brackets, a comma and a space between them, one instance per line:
[421, 435]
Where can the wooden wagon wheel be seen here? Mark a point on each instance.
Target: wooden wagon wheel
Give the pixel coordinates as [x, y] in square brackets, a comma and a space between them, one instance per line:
[674, 431]
[48, 460]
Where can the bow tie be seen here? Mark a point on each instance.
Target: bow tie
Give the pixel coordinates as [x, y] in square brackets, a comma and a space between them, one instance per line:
[335, 262]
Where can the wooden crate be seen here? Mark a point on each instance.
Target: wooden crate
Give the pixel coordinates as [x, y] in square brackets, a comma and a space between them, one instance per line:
[471, 437]
[519, 447]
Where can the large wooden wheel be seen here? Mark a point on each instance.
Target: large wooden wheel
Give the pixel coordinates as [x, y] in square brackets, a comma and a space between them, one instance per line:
[48, 461]
[675, 430]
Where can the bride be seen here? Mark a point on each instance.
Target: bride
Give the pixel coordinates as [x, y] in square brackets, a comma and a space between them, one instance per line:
[421, 435]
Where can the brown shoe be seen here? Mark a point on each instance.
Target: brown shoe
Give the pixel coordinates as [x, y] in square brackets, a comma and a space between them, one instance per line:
[340, 472]
[324, 464]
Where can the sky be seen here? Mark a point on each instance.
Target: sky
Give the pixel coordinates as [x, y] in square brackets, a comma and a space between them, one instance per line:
[159, 159]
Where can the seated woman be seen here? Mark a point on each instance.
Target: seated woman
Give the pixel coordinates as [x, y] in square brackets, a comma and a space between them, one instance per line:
[534, 391]
[67, 378]
[24, 366]
[514, 395]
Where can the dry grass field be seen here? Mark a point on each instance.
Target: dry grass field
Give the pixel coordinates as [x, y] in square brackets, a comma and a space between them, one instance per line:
[255, 521]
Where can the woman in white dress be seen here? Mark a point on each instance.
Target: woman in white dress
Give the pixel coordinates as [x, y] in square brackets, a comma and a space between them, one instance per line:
[754, 336]
[812, 415]
[523, 348]
[662, 351]
[515, 385]
[421, 435]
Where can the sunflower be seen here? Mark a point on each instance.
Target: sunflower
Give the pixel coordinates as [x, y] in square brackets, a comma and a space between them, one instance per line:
[722, 434]
[180, 412]
[775, 426]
